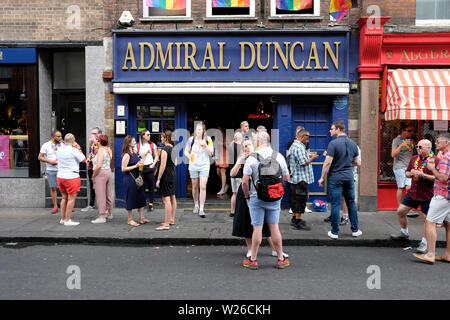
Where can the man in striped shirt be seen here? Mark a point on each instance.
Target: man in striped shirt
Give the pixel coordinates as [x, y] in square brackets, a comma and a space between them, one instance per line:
[439, 211]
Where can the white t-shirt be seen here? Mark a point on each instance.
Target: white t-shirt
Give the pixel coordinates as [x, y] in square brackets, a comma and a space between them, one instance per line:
[50, 154]
[199, 159]
[143, 148]
[251, 167]
[69, 159]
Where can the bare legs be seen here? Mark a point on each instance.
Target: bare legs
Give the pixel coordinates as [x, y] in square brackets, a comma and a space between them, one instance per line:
[170, 207]
[199, 183]
[67, 204]
[54, 195]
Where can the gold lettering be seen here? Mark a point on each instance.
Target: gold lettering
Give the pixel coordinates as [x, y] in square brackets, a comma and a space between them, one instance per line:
[444, 54]
[433, 52]
[252, 60]
[258, 55]
[291, 56]
[404, 54]
[412, 56]
[313, 56]
[178, 45]
[190, 56]
[164, 57]
[221, 66]
[420, 54]
[284, 57]
[129, 56]
[208, 56]
[152, 55]
[334, 57]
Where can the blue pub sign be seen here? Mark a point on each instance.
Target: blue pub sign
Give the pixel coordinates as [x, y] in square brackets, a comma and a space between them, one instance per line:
[308, 73]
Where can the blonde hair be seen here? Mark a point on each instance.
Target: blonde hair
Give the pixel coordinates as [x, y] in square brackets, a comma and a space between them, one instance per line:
[69, 138]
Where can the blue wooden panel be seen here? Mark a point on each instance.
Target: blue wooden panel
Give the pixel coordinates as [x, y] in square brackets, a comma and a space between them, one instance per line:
[118, 143]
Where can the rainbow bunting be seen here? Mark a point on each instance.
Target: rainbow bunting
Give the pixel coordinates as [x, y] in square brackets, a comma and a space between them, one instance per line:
[230, 3]
[167, 4]
[340, 8]
[294, 5]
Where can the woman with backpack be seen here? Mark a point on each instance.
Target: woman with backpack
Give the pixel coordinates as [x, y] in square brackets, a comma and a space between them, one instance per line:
[149, 154]
[199, 149]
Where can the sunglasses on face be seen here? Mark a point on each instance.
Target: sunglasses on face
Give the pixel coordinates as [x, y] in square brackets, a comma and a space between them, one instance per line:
[439, 141]
[421, 147]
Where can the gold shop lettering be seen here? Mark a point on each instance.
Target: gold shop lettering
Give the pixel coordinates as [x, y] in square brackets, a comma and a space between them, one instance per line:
[295, 55]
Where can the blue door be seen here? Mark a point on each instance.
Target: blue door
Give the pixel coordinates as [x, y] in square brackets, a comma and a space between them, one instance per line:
[316, 118]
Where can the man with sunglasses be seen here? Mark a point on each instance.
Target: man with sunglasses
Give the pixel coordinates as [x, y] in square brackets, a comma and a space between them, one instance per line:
[439, 211]
[402, 151]
[420, 193]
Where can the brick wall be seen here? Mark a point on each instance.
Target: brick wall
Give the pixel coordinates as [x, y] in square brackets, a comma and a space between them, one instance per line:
[51, 20]
[403, 12]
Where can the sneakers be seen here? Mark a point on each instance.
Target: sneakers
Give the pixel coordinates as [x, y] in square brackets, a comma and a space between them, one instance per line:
[400, 236]
[61, 221]
[293, 221]
[344, 221]
[87, 208]
[71, 223]
[332, 235]
[196, 210]
[149, 208]
[301, 225]
[249, 253]
[281, 264]
[412, 214]
[307, 210]
[422, 248]
[99, 220]
[250, 264]
[357, 233]
[110, 217]
[275, 254]
[328, 219]
[202, 214]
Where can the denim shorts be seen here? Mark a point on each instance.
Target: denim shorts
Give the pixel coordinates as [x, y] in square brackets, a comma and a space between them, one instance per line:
[261, 211]
[51, 178]
[401, 179]
[196, 174]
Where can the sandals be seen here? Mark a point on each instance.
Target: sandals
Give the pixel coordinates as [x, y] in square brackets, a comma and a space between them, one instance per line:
[439, 258]
[144, 221]
[163, 227]
[133, 223]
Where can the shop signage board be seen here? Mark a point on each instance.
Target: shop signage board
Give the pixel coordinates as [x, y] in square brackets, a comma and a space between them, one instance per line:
[240, 56]
[18, 55]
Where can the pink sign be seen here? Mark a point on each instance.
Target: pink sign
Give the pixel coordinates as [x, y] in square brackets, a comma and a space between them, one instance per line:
[4, 152]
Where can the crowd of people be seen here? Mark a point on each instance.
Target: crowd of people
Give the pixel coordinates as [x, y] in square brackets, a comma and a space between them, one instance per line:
[258, 175]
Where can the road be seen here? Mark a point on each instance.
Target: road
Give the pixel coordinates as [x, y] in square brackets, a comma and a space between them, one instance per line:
[215, 272]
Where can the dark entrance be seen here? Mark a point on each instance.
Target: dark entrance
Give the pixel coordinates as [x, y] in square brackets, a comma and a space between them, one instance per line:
[227, 113]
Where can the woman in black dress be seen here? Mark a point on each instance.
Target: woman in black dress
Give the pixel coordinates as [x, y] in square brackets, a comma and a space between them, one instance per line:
[242, 226]
[167, 181]
[134, 197]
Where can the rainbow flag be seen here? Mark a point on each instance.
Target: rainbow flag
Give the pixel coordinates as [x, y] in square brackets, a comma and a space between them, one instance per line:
[294, 5]
[340, 8]
[230, 3]
[167, 4]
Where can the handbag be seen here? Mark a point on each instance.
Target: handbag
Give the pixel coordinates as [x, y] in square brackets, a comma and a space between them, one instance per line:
[139, 181]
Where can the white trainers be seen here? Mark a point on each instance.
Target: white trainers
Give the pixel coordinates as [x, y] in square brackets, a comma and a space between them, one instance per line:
[290, 211]
[249, 253]
[202, 214]
[87, 209]
[275, 254]
[61, 221]
[307, 210]
[71, 223]
[196, 210]
[357, 233]
[332, 236]
[110, 217]
[99, 220]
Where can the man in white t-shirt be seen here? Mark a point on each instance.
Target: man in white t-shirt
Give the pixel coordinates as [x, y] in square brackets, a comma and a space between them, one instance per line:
[48, 155]
[260, 210]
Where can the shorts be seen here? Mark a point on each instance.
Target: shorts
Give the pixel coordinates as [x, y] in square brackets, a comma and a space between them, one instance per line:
[439, 210]
[261, 211]
[298, 194]
[401, 179]
[51, 178]
[69, 186]
[196, 174]
[409, 202]
[235, 183]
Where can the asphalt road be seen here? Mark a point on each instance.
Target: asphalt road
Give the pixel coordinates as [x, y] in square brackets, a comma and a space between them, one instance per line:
[215, 272]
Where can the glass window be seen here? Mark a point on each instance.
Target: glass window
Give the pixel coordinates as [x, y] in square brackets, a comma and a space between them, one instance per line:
[155, 112]
[69, 70]
[155, 118]
[233, 8]
[294, 8]
[433, 12]
[169, 112]
[166, 9]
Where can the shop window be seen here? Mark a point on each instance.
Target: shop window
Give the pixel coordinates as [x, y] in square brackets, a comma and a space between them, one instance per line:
[432, 12]
[294, 8]
[166, 9]
[155, 118]
[230, 8]
[69, 70]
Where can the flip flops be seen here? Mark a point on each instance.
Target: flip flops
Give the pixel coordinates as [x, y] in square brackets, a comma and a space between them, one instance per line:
[422, 258]
[163, 227]
[439, 258]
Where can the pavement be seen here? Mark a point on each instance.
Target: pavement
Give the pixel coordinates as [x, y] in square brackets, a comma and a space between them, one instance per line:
[38, 225]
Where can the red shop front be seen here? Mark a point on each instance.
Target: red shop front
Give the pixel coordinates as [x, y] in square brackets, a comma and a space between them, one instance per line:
[414, 88]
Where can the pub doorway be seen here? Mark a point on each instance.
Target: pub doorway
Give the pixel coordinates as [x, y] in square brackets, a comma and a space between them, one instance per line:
[227, 113]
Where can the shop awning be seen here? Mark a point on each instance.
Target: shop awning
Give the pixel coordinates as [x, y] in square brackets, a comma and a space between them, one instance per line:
[418, 94]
